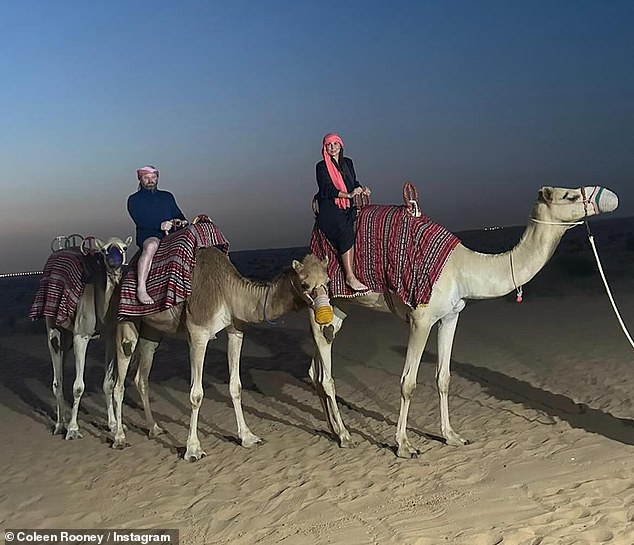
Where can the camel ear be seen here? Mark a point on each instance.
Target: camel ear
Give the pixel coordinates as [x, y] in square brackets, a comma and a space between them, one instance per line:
[297, 265]
[327, 260]
[128, 241]
[98, 244]
[546, 194]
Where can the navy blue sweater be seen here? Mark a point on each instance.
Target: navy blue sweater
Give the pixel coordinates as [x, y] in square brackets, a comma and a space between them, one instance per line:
[149, 209]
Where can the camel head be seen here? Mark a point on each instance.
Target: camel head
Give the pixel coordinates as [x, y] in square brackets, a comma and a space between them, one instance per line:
[114, 252]
[311, 283]
[562, 205]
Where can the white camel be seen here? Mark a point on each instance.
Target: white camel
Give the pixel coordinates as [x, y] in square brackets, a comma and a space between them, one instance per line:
[467, 275]
[94, 316]
[220, 299]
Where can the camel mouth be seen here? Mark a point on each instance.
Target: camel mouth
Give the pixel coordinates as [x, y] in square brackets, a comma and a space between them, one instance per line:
[607, 200]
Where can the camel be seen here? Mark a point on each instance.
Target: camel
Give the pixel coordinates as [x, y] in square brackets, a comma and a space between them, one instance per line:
[466, 275]
[94, 315]
[220, 299]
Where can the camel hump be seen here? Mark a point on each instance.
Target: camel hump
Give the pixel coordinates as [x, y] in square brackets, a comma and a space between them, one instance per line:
[410, 198]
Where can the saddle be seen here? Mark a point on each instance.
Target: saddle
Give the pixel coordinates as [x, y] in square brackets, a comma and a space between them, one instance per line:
[398, 249]
[169, 280]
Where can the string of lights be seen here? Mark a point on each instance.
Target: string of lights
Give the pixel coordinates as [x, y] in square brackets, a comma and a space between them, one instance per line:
[12, 275]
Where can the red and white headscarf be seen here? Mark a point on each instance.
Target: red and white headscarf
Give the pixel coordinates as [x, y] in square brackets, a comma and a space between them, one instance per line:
[147, 169]
[333, 171]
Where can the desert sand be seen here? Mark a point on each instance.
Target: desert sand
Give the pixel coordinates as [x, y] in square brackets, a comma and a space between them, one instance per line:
[543, 389]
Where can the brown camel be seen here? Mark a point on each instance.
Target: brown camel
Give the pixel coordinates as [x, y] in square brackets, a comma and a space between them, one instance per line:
[95, 315]
[466, 275]
[220, 299]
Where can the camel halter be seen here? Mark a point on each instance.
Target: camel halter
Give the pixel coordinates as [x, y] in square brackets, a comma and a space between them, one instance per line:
[586, 201]
[320, 304]
[592, 200]
[519, 290]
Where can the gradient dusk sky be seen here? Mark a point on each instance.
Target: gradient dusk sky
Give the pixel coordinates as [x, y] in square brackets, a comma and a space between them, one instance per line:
[479, 103]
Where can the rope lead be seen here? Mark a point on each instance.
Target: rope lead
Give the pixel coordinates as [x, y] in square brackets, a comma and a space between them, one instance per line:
[607, 288]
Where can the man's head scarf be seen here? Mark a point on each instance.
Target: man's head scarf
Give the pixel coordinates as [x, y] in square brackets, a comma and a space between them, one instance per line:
[147, 169]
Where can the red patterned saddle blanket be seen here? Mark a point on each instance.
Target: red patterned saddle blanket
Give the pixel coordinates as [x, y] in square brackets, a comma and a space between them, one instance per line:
[61, 286]
[394, 251]
[169, 281]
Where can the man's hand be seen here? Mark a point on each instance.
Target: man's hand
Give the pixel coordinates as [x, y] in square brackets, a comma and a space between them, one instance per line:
[166, 225]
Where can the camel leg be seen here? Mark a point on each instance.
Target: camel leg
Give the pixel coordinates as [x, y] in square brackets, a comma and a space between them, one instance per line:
[145, 350]
[418, 334]
[108, 380]
[446, 332]
[198, 338]
[234, 347]
[126, 339]
[320, 373]
[58, 346]
[80, 344]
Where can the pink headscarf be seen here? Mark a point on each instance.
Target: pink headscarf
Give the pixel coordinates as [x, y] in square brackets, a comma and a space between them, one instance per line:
[147, 169]
[333, 171]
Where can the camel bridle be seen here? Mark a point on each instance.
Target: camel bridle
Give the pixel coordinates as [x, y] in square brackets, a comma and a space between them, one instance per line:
[304, 295]
[591, 200]
[588, 200]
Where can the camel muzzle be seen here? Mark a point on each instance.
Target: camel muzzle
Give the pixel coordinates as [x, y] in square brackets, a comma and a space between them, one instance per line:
[323, 309]
[607, 201]
[115, 257]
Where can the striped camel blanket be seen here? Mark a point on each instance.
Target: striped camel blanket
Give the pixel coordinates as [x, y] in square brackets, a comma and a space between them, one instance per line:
[169, 281]
[64, 278]
[394, 252]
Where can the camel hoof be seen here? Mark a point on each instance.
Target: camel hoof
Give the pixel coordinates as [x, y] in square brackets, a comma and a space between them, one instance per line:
[456, 441]
[59, 429]
[194, 454]
[251, 441]
[155, 431]
[120, 444]
[347, 442]
[408, 452]
[73, 434]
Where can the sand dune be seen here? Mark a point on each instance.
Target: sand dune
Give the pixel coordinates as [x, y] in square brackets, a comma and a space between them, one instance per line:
[544, 389]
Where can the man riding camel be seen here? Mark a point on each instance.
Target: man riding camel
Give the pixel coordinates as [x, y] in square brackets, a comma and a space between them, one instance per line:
[153, 212]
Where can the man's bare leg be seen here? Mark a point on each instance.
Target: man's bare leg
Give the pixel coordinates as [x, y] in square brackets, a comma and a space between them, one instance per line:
[145, 262]
[348, 267]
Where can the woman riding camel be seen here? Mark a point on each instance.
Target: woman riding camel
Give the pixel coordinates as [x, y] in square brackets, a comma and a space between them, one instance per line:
[338, 185]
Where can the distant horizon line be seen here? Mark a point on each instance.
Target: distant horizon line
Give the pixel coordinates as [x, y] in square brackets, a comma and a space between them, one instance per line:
[305, 246]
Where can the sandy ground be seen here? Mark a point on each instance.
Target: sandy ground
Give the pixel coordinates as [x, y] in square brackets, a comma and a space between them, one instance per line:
[544, 389]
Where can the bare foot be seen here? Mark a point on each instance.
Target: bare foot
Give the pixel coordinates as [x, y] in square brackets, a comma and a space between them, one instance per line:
[143, 297]
[356, 285]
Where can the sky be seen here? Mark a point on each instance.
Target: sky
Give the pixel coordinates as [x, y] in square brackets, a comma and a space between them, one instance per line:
[478, 103]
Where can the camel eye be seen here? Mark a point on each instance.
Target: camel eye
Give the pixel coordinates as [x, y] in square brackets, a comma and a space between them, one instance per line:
[305, 285]
[571, 198]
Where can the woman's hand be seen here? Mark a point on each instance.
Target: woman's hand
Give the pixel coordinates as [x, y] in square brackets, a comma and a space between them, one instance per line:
[356, 191]
[366, 191]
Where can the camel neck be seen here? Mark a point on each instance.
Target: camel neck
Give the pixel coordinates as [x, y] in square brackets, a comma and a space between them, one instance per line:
[493, 275]
[268, 301]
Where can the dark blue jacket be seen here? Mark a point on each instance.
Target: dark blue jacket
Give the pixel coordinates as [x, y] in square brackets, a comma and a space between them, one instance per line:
[149, 209]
